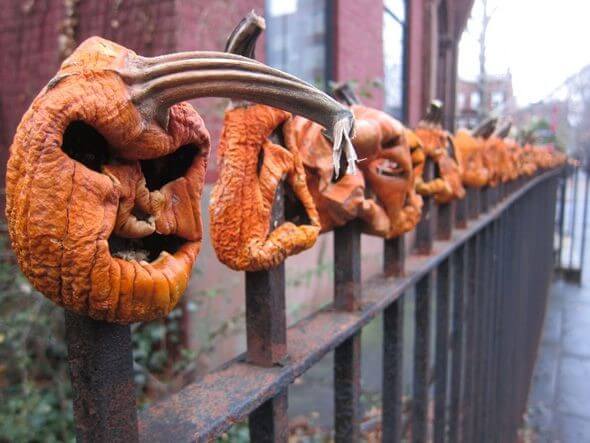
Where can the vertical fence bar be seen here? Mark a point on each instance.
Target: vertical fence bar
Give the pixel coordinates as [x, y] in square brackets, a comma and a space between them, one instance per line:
[421, 361]
[468, 404]
[562, 195]
[424, 239]
[393, 341]
[425, 228]
[445, 220]
[459, 282]
[347, 356]
[266, 335]
[101, 372]
[574, 214]
[473, 202]
[461, 213]
[443, 291]
[584, 220]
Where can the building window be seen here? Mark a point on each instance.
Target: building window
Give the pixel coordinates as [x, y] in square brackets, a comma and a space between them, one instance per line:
[394, 24]
[497, 98]
[296, 38]
[461, 101]
[474, 100]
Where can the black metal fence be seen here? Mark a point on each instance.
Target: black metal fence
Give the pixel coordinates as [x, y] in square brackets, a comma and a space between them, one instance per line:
[479, 272]
[572, 210]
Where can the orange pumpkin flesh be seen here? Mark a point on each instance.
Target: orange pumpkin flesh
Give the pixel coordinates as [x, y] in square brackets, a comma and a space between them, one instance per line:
[107, 169]
[447, 185]
[388, 169]
[469, 152]
[82, 215]
[250, 170]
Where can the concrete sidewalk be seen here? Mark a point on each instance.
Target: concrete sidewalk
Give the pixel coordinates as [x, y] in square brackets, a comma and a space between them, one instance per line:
[559, 401]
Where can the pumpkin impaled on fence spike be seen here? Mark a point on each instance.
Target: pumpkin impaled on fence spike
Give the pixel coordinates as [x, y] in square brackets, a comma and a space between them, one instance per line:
[251, 167]
[107, 168]
[438, 147]
[385, 165]
[469, 153]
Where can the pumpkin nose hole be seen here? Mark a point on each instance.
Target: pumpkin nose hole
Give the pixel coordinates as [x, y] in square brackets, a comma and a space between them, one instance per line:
[86, 145]
[162, 170]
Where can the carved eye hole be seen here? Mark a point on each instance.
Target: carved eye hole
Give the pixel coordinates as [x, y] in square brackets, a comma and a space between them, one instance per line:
[162, 170]
[86, 145]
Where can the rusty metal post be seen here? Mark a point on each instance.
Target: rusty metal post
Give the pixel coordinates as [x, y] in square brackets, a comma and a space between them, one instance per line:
[473, 204]
[101, 371]
[445, 220]
[457, 338]
[393, 340]
[461, 213]
[424, 239]
[347, 356]
[425, 228]
[266, 336]
[443, 293]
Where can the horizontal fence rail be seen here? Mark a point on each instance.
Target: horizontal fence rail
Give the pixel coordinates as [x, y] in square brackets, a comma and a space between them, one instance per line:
[479, 277]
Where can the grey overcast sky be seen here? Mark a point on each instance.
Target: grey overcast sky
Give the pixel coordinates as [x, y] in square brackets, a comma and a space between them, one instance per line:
[542, 42]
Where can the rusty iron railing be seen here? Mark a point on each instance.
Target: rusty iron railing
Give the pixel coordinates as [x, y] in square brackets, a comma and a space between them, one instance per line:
[481, 272]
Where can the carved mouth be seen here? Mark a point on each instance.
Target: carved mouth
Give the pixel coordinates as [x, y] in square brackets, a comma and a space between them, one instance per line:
[144, 249]
[389, 169]
[86, 145]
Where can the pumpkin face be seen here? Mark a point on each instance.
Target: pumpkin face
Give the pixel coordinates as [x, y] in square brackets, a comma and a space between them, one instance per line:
[386, 163]
[447, 184]
[102, 206]
[469, 152]
[107, 168]
[337, 201]
[250, 170]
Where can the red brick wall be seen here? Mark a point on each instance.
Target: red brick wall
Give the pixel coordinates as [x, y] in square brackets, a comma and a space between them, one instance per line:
[358, 45]
[31, 34]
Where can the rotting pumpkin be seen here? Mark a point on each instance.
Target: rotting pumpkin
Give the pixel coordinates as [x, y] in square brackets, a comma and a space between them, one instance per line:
[107, 168]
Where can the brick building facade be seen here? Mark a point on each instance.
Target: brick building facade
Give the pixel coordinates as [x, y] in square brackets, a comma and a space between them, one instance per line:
[36, 34]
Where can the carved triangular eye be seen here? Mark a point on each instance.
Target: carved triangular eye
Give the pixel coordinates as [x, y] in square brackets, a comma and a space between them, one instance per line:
[84, 144]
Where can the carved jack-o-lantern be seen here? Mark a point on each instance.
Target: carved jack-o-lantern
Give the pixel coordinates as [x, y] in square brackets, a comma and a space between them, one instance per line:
[497, 156]
[251, 166]
[385, 168]
[337, 201]
[382, 145]
[469, 152]
[106, 172]
[438, 148]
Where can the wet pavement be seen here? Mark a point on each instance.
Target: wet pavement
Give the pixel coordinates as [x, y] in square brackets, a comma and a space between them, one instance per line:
[559, 401]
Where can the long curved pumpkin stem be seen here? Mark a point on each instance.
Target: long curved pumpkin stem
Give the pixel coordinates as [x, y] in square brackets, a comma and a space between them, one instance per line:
[159, 82]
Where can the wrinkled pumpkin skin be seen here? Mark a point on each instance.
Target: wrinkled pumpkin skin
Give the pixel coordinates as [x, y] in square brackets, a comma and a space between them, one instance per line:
[386, 163]
[337, 202]
[380, 142]
[497, 160]
[469, 152]
[448, 186]
[242, 199]
[61, 213]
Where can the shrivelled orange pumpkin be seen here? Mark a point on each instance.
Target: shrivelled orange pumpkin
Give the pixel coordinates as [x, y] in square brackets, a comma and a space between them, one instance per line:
[437, 145]
[469, 152]
[106, 171]
[251, 166]
[337, 201]
[382, 144]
